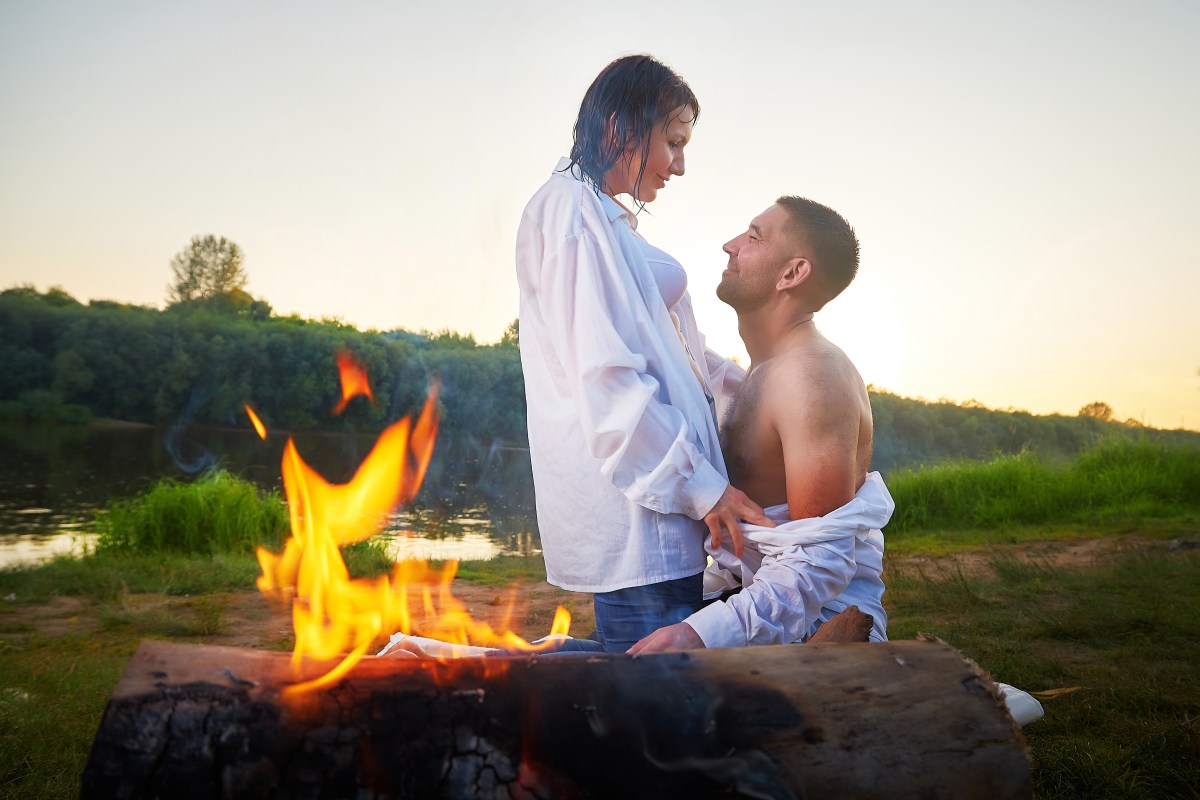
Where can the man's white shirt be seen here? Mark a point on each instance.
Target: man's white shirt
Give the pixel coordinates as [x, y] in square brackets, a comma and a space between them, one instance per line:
[799, 574]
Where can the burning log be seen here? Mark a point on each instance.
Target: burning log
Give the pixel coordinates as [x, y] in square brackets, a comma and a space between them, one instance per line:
[820, 720]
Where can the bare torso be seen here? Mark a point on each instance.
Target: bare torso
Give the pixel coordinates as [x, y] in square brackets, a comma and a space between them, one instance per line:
[804, 412]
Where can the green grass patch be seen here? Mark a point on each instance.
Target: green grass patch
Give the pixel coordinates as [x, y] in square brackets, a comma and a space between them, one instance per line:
[54, 691]
[107, 575]
[1114, 486]
[500, 571]
[218, 513]
[367, 558]
[197, 617]
[1125, 630]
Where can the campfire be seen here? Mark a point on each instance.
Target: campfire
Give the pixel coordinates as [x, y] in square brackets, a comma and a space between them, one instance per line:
[819, 720]
[338, 617]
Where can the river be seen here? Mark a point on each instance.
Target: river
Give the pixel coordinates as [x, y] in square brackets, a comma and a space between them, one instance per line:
[476, 501]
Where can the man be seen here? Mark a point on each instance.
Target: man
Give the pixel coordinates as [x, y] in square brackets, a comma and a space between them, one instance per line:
[797, 440]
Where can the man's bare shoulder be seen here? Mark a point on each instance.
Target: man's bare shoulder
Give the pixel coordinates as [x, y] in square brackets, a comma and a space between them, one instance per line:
[814, 377]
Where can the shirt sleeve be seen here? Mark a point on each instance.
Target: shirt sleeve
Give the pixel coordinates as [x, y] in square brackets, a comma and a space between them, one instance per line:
[725, 378]
[599, 328]
[784, 600]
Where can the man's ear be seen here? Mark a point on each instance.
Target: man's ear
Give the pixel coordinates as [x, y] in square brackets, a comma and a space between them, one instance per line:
[797, 271]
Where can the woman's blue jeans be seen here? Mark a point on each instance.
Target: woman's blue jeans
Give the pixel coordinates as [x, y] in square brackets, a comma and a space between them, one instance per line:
[625, 616]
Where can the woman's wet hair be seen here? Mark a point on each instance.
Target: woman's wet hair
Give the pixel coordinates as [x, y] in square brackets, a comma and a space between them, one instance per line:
[635, 93]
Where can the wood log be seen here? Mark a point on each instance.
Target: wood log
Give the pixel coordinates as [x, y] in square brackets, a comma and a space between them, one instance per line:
[848, 625]
[899, 719]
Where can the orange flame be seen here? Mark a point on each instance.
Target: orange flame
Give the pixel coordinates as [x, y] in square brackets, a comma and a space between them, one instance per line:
[335, 616]
[256, 422]
[354, 380]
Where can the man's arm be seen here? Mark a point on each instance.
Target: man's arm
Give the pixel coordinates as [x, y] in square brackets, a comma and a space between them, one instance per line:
[818, 423]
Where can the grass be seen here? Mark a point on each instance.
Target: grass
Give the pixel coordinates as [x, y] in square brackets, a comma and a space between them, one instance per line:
[501, 570]
[196, 617]
[105, 576]
[1110, 487]
[54, 690]
[219, 513]
[1124, 630]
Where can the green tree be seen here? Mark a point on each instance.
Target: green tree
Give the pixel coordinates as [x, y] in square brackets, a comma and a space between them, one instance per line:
[1097, 410]
[208, 268]
[512, 334]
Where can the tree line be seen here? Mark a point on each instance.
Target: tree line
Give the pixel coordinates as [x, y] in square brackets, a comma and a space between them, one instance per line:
[199, 363]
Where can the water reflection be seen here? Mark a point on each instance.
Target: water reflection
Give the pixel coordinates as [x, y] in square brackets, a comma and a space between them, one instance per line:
[34, 547]
[476, 501]
[468, 547]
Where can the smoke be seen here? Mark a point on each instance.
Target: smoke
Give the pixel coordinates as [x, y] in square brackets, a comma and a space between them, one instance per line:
[189, 456]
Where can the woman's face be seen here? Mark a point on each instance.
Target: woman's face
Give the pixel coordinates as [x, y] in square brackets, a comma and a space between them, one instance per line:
[664, 158]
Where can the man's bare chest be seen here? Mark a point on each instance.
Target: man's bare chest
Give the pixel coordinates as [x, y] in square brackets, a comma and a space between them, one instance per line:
[749, 442]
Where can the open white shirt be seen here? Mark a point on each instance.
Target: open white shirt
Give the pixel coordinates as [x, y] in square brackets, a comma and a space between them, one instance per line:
[800, 574]
[626, 459]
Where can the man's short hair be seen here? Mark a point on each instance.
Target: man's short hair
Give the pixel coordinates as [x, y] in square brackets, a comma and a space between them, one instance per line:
[831, 240]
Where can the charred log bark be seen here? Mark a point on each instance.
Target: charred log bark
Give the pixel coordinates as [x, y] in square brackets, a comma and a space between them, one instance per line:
[819, 720]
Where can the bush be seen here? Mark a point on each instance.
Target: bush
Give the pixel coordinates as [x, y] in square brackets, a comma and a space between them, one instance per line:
[1119, 480]
[217, 514]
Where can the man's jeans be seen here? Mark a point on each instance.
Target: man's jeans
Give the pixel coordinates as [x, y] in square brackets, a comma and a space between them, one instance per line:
[625, 616]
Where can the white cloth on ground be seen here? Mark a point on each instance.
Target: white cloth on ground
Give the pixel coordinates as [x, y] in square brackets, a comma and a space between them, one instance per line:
[436, 648]
[1023, 706]
[797, 575]
[625, 453]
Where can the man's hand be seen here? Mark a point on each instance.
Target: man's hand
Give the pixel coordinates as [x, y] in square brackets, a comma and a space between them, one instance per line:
[734, 505]
[679, 636]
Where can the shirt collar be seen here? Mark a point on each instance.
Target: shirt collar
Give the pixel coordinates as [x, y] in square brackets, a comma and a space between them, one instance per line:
[612, 209]
[616, 211]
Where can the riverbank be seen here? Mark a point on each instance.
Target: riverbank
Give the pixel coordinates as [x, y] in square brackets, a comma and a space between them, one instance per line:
[1111, 615]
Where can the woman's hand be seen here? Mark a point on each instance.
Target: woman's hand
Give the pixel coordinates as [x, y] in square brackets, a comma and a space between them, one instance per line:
[734, 505]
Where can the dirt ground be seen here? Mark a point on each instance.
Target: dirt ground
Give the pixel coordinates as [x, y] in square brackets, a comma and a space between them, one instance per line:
[1053, 554]
[256, 620]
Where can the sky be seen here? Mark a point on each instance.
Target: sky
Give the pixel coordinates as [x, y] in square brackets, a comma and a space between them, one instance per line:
[1022, 176]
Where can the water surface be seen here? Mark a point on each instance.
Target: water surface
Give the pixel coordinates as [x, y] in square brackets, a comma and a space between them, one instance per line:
[476, 501]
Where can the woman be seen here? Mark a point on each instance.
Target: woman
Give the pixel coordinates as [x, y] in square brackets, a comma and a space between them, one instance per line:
[622, 422]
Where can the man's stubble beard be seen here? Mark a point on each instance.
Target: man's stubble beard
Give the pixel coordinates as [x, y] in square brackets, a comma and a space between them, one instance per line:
[738, 291]
[725, 291]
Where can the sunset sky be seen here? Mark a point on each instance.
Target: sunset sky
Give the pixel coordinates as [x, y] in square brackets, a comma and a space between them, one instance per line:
[1024, 176]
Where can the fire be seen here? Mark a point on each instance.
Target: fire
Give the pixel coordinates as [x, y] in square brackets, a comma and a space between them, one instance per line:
[338, 617]
[256, 422]
[354, 380]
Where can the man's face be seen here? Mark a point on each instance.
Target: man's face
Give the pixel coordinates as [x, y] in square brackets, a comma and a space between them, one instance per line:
[756, 260]
[664, 158]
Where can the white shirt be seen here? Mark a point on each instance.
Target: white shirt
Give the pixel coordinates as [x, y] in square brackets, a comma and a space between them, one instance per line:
[626, 460]
[800, 574]
[668, 273]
